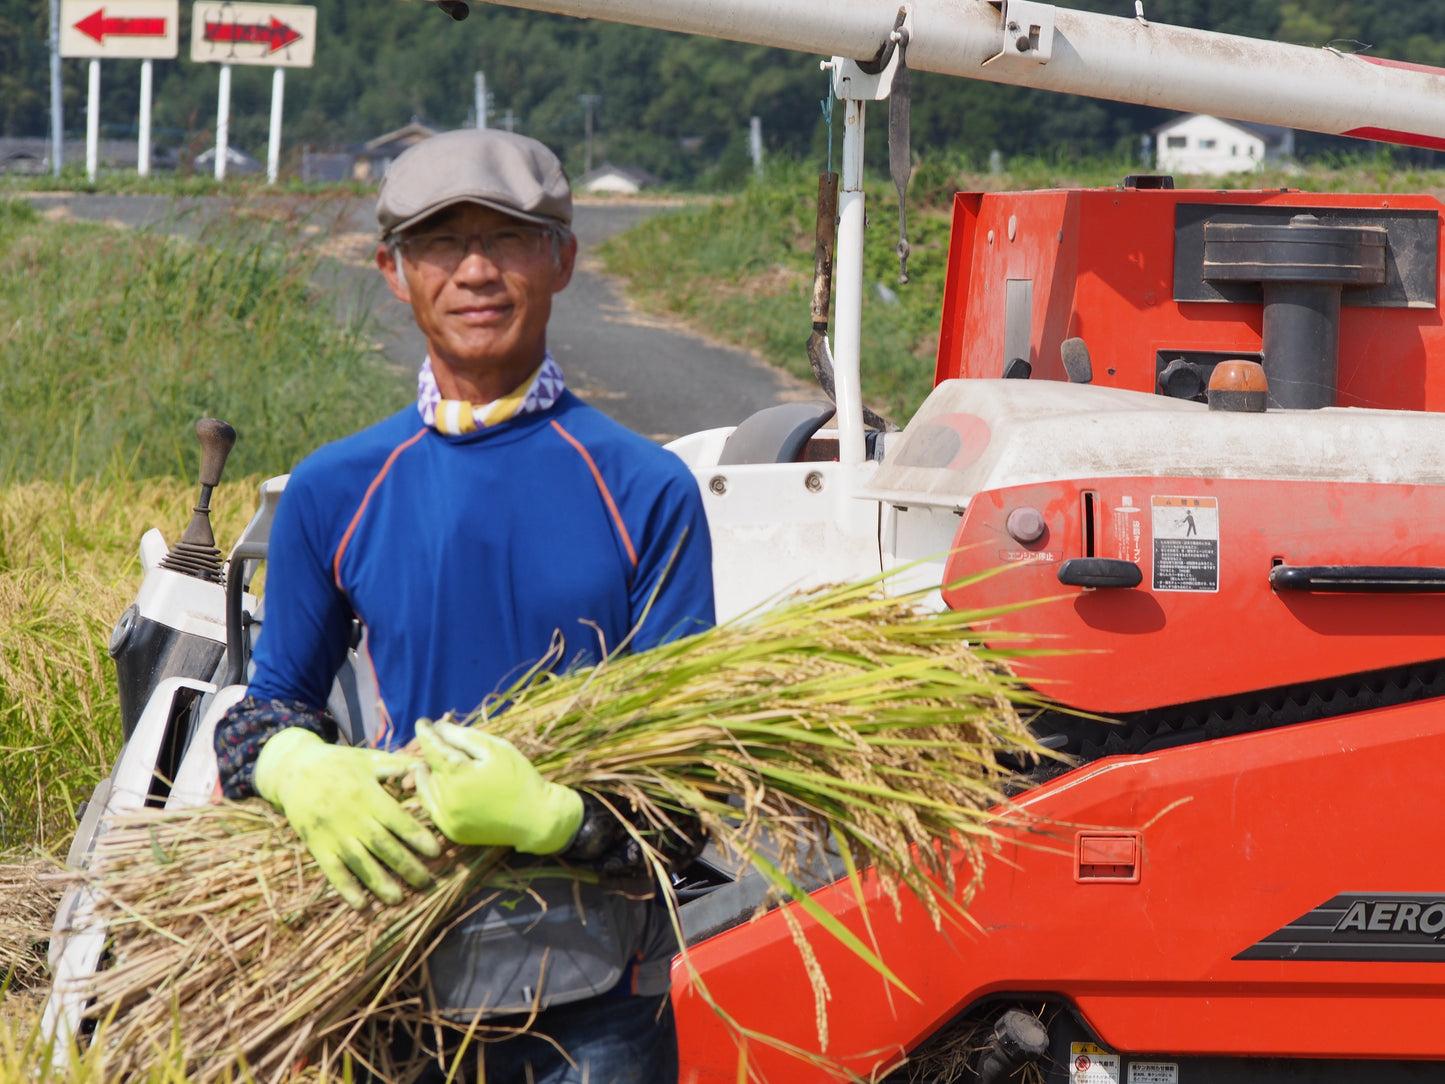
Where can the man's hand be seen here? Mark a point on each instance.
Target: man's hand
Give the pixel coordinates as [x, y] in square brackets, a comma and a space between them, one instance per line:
[331, 796]
[479, 790]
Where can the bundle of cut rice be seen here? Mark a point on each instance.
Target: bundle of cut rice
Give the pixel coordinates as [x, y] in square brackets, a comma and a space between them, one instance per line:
[27, 903]
[842, 715]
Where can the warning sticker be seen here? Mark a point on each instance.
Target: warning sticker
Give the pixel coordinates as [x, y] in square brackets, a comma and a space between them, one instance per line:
[1186, 543]
[1090, 1064]
[1128, 530]
[1153, 1072]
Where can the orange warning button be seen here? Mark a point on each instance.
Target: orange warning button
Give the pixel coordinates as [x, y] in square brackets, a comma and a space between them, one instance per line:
[1107, 856]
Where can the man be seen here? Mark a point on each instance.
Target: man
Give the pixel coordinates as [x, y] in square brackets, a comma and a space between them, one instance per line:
[471, 534]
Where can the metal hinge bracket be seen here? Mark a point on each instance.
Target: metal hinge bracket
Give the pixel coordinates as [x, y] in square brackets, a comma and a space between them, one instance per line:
[1028, 32]
[851, 81]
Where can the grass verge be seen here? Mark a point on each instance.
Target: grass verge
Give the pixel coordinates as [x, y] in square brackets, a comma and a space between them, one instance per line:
[740, 268]
[113, 342]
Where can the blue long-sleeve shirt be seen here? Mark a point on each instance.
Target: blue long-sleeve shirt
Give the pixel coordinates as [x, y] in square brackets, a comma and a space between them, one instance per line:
[464, 556]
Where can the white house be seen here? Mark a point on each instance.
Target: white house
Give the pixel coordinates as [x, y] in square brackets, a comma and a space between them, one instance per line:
[1197, 143]
[237, 161]
[623, 180]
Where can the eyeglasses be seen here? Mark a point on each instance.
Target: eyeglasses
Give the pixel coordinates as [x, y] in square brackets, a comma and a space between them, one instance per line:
[505, 246]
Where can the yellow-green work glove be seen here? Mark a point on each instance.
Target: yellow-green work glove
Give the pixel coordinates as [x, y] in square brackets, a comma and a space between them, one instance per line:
[332, 797]
[479, 790]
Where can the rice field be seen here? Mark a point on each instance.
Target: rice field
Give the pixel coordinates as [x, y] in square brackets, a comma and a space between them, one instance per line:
[112, 344]
[68, 568]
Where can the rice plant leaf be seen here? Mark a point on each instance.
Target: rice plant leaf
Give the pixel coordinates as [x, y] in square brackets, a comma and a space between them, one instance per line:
[829, 922]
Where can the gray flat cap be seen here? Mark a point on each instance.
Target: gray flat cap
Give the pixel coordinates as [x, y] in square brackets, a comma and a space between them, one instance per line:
[509, 173]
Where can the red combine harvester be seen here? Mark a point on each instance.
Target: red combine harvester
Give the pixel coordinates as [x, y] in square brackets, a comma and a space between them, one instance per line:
[1204, 428]
[1219, 890]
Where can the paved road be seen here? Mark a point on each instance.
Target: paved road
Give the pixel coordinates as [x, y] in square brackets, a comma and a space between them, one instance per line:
[650, 374]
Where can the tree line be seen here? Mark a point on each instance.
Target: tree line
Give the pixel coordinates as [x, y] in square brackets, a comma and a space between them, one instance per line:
[675, 105]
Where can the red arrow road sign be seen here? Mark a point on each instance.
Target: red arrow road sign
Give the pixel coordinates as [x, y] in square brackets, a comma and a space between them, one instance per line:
[97, 26]
[278, 35]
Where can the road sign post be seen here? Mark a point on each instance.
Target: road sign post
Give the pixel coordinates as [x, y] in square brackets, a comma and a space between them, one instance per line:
[143, 148]
[273, 146]
[115, 30]
[92, 122]
[223, 123]
[57, 112]
[275, 35]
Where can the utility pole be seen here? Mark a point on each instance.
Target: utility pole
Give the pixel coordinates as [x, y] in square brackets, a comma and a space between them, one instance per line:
[481, 92]
[755, 144]
[589, 103]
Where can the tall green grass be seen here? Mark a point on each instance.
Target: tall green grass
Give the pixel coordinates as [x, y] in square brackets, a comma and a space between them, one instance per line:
[740, 268]
[113, 342]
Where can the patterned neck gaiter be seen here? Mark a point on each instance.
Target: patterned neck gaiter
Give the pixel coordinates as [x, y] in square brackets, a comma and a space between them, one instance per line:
[456, 416]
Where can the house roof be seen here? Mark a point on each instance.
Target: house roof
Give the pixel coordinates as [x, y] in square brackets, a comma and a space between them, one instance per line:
[632, 173]
[1272, 134]
[413, 132]
[234, 157]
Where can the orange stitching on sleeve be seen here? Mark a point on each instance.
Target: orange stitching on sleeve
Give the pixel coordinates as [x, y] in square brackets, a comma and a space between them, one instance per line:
[602, 488]
[351, 527]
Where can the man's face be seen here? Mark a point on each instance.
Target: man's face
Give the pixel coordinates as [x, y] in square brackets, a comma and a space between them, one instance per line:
[485, 313]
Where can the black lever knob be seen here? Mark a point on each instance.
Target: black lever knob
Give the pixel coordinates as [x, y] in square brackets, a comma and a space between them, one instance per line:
[217, 439]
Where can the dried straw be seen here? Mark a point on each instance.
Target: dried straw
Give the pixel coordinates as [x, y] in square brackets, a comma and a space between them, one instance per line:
[841, 716]
[27, 905]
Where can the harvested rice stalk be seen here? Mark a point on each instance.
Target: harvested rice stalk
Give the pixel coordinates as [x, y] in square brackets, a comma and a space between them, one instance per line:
[27, 903]
[842, 715]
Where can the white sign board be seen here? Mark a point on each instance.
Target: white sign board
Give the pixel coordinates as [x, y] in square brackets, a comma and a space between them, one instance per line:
[276, 35]
[120, 29]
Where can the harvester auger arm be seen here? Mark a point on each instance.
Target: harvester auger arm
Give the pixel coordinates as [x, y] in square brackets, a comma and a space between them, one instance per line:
[1024, 43]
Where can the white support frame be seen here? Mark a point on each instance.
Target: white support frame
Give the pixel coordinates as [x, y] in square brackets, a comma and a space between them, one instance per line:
[855, 88]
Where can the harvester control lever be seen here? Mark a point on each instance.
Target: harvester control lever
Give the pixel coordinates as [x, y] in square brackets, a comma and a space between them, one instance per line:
[1359, 579]
[1099, 572]
[196, 553]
